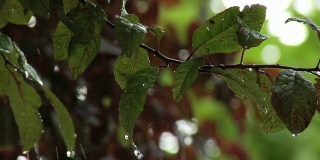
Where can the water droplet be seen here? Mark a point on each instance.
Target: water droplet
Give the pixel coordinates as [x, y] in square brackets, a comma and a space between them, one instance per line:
[295, 135]
[138, 154]
[126, 137]
[208, 28]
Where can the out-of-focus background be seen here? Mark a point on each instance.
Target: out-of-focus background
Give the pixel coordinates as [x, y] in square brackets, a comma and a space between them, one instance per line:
[209, 122]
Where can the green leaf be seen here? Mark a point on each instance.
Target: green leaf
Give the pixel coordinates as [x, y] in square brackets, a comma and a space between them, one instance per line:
[133, 99]
[29, 70]
[81, 55]
[69, 5]
[256, 86]
[18, 14]
[65, 122]
[218, 34]
[61, 40]
[5, 12]
[254, 16]
[9, 135]
[40, 7]
[294, 99]
[5, 44]
[25, 103]
[248, 38]
[185, 76]
[158, 31]
[82, 45]
[130, 33]
[125, 67]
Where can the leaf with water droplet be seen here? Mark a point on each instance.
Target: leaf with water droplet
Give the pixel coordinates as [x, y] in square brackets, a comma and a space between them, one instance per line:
[218, 34]
[133, 99]
[294, 99]
[25, 102]
[38, 7]
[256, 86]
[185, 76]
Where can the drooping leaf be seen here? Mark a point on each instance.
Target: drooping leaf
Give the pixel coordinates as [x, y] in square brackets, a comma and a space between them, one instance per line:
[25, 103]
[65, 122]
[36, 6]
[256, 86]
[61, 40]
[130, 33]
[307, 21]
[125, 67]
[5, 44]
[185, 75]
[159, 32]
[294, 99]
[9, 135]
[85, 40]
[133, 99]
[248, 38]
[218, 34]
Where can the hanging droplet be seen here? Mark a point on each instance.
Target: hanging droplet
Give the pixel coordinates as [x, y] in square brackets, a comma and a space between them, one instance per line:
[138, 154]
[126, 137]
[295, 135]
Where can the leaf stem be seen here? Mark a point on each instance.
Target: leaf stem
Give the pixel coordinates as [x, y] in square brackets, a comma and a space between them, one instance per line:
[242, 54]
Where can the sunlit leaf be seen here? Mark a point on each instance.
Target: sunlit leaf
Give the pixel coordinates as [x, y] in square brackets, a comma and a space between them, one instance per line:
[124, 67]
[185, 76]
[61, 39]
[36, 6]
[218, 34]
[256, 86]
[25, 103]
[65, 122]
[130, 33]
[133, 99]
[248, 38]
[294, 99]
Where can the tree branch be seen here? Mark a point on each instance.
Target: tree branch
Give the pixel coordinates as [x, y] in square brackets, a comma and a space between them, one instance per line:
[206, 68]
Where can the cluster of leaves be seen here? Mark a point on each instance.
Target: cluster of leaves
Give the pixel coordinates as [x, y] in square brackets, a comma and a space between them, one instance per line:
[286, 101]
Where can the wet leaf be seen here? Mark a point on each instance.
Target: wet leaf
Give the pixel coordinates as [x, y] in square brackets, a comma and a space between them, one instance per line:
[133, 99]
[294, 99]
[125, 67]
[6, 45]
[61, 40]
[185, 75]
[248, 38]
[218, 34]
[25, 103]
[130, 33]
[39, 7]
[9, 134]
[65, 122]
[257, 87]
[29, 70]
